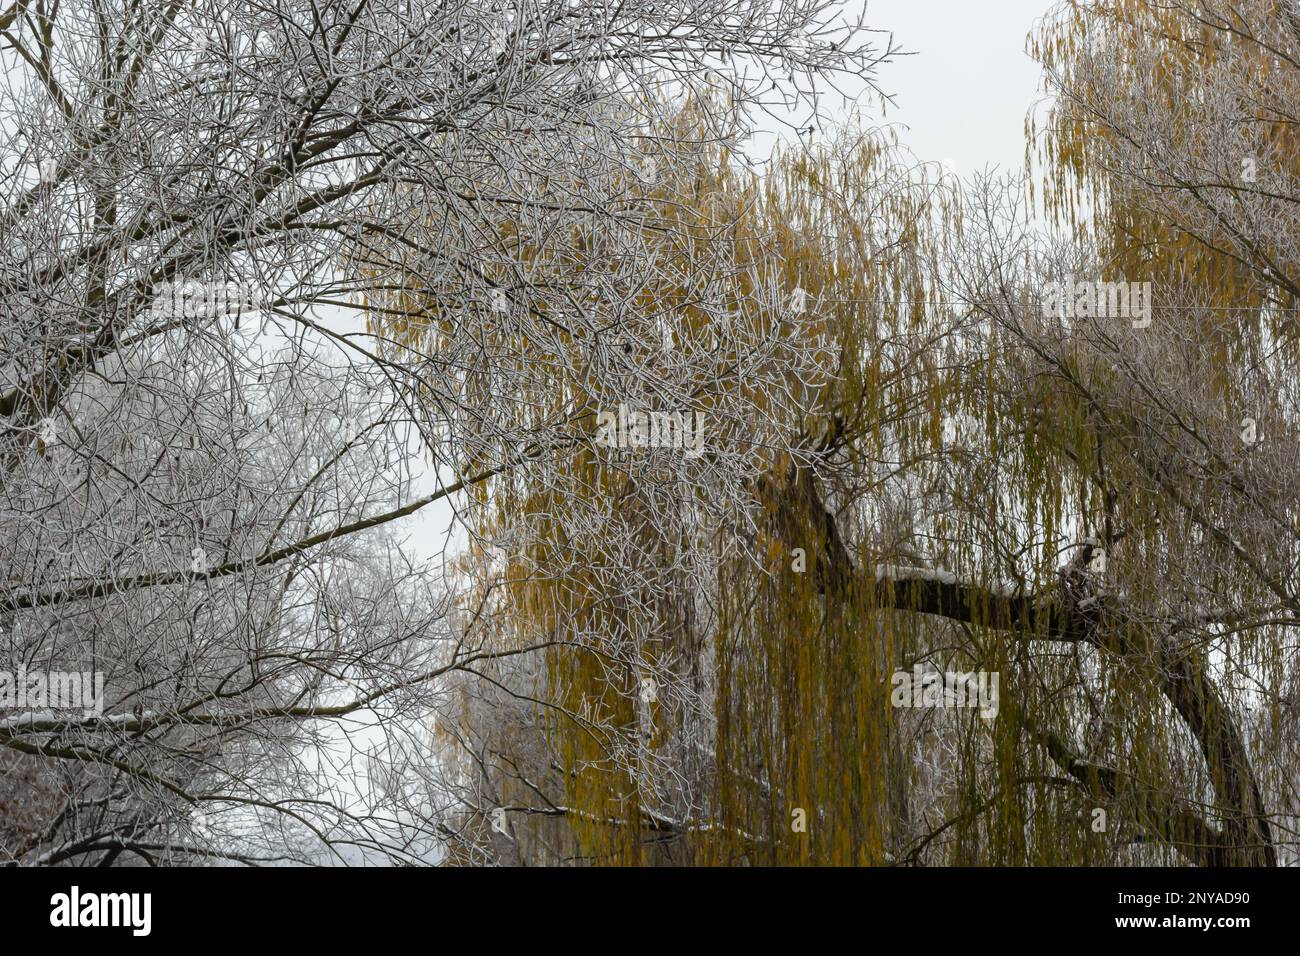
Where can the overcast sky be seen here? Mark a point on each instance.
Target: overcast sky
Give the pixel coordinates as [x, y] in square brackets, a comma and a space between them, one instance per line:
[963, 94]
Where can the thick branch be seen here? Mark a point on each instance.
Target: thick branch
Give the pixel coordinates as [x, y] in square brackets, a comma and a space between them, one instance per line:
[1246, 839]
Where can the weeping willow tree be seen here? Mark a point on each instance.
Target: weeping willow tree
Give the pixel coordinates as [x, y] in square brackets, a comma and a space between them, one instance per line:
[909, 462]
[668, 355]
[1167, 152]
[1096, 503]
[699, 651]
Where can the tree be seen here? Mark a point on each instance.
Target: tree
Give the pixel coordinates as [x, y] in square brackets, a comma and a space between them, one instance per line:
[1078, 500]
[203, 454]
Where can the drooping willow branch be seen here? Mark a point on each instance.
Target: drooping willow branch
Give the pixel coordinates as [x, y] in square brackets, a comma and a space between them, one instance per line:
[1061, 615]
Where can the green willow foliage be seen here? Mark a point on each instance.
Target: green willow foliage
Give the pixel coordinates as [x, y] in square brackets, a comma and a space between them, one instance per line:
[1171, 149]
[920, 467]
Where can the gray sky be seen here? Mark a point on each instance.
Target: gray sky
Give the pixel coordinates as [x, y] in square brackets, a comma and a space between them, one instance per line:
[963, 94]
[966, 91]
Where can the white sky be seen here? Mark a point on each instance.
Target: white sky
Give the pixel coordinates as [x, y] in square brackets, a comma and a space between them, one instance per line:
[963, 93]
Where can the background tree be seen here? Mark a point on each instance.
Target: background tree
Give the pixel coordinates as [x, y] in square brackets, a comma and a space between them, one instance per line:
[1081, 504]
